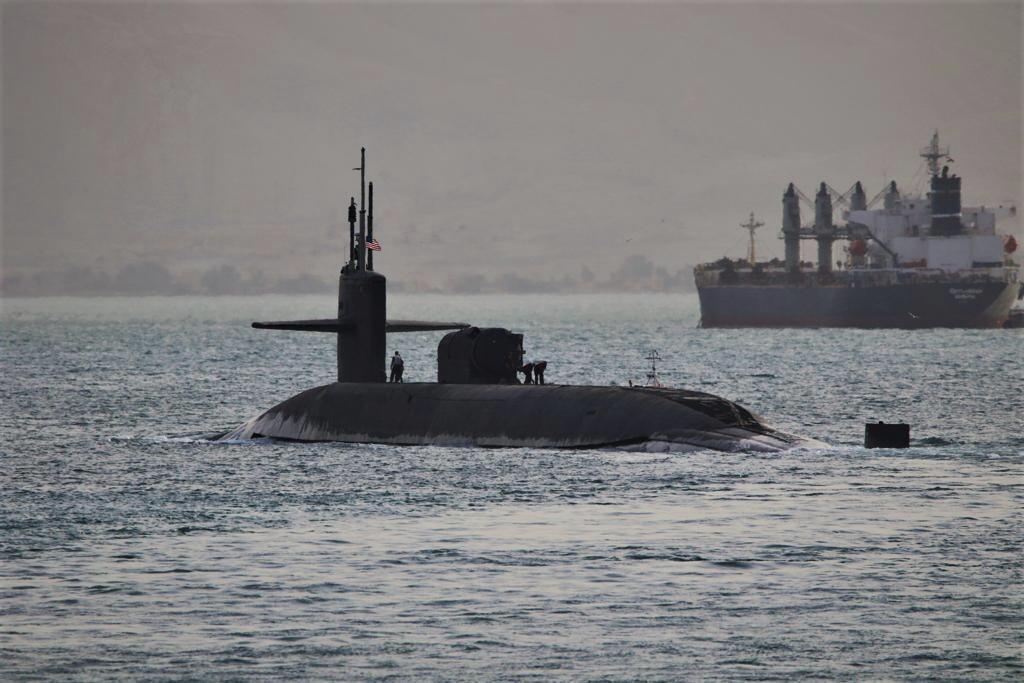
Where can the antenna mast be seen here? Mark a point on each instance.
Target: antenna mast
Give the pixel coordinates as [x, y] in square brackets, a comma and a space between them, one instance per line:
[369, 230]
[652, 376]
[751, 226]
[361, 247]
[351, 234]
[933, 153]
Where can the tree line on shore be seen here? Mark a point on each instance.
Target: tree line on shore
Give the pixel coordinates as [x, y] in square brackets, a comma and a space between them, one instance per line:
[637, 273]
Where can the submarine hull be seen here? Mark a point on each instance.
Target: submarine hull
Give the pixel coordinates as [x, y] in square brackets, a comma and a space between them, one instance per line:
[548, 416]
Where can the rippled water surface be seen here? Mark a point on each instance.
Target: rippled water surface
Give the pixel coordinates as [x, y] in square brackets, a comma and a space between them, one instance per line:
[131, 547]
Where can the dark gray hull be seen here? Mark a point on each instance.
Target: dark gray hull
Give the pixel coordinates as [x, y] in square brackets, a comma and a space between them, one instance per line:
[933, 304]
[514, 416]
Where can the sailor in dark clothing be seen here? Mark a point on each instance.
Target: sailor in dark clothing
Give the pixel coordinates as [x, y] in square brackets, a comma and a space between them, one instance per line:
[538, 370]
[527, 371]
[397, 367]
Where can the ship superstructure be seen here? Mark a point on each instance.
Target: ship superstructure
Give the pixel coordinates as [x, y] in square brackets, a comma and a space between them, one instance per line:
[909, 261]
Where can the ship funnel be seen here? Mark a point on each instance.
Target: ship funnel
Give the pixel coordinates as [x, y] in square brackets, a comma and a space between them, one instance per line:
[858, 200]
[945, 204]
[791, 227]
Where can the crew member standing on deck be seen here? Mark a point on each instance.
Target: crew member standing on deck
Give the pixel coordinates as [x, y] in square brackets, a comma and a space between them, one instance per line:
[527, 371]
[538, 370]
[397, 367]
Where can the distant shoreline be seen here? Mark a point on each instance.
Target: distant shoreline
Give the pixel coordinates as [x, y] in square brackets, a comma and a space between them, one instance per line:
[637, 273]
[401, 292]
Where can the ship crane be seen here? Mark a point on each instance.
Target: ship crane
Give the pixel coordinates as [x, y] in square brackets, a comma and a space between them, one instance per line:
[804, 198]
[849, 231]
[841, 198]
[751, 225]
[878, 197]
[837, 196]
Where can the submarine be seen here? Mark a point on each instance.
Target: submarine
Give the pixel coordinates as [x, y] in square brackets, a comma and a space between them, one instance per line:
[477, 399]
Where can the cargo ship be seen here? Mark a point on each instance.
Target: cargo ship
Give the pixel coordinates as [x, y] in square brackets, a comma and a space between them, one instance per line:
[909, 261]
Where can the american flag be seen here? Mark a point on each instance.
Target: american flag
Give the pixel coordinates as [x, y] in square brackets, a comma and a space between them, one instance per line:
[373, 245]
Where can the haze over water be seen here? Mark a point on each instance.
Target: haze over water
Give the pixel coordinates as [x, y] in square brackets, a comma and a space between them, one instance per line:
[208, 146]
[132, 547]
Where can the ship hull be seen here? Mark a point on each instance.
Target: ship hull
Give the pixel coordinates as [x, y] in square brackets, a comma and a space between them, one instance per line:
[532, 416]
[933, 304]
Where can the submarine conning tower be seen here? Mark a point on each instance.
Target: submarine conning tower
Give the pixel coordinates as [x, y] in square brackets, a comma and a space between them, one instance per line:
[362, 298]
[362, 349]
[361, 324]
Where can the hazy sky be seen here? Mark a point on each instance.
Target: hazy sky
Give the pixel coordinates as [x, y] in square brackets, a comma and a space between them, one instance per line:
[526, 138]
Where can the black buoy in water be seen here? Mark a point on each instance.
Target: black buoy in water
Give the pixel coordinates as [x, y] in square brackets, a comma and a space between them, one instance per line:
[882, 435]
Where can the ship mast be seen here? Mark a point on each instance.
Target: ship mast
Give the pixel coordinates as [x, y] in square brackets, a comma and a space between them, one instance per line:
[360, 255]
[933, 153]
[751, 226]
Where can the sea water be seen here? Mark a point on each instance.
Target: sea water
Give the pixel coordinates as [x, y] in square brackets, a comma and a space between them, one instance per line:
[131, 546]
